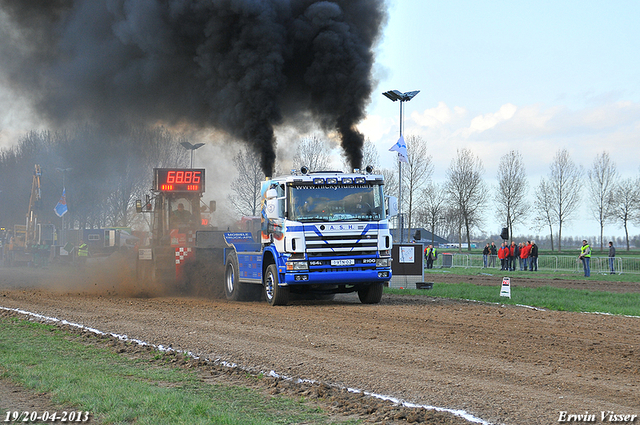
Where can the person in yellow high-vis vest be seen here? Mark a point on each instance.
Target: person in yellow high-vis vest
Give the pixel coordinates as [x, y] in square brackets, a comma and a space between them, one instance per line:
[83, 253]
[430, 254]
[585, 256]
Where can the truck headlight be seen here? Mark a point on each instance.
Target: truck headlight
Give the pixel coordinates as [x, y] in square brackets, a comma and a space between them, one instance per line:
[383, 262]
[297, 265]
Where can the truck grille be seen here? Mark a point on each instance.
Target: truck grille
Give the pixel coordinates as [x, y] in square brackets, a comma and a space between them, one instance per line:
[341, 244]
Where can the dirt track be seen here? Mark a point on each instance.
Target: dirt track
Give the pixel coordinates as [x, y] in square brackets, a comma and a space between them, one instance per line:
[503, 364]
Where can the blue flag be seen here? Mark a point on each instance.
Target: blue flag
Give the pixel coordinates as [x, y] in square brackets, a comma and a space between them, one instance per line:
[401, 148]
[61, 206]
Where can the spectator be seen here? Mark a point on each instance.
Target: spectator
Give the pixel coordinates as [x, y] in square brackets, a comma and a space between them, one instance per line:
[503, 254]
[524, 255]
[494, 254]
[520, 259]
[612, 257]
[585, 256]
[486, 252]
[533, 257]
[514, 253]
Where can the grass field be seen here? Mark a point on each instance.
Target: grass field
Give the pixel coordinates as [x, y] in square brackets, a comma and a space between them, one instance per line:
[546, 297]
[474, 271]
[115, 389]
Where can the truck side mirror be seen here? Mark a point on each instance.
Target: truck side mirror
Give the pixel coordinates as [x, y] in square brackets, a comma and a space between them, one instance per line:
[272, 194]
[392, 209]
[212, 206]
[138, 205]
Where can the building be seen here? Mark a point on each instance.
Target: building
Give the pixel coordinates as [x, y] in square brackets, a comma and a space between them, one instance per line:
[425, 237]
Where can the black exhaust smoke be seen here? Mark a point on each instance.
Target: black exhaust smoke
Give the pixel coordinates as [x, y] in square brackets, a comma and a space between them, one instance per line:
[243, 66]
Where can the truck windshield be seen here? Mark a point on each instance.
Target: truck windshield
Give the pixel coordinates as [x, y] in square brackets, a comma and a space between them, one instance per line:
[336, 203]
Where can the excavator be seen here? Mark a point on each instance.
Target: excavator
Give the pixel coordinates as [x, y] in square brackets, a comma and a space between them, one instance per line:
[19, 249]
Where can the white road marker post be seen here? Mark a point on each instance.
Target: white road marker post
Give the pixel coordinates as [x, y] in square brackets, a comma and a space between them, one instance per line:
[505, 290]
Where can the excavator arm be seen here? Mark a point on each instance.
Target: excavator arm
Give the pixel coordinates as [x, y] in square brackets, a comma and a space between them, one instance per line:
[35, 204]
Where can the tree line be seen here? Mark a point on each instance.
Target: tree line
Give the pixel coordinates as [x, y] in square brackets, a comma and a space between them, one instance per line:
[104, 168]
[109, 166]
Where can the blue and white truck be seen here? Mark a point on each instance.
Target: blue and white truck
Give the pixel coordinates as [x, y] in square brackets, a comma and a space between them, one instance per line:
[321, 233]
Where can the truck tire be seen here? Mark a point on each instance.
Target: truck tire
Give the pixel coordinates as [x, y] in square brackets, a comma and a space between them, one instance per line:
[274, 294]
[371, 294]
[231, 278]
[235, 290]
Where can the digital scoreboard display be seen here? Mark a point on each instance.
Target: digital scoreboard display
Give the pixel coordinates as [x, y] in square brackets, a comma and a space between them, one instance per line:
[178, 179]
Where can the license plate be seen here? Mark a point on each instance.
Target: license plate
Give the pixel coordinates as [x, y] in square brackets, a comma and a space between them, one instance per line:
[349, 262]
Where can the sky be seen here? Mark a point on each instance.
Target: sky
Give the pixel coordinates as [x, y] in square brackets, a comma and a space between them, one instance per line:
[499, 75]
[493, 76]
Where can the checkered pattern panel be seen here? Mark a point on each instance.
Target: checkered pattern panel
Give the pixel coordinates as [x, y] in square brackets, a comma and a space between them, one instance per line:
[181, 254]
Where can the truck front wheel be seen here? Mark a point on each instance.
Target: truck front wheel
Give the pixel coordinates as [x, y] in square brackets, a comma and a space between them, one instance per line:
[371, 294]
[275, 295]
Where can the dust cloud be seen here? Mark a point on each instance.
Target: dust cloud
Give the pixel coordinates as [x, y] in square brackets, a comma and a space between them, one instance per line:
[113, 276]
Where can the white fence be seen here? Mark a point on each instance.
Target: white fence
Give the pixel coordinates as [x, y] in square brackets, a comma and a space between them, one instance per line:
[553, 263]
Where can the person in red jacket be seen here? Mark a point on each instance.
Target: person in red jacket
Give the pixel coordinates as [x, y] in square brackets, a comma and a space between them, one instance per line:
[524, 255]
[502, 255]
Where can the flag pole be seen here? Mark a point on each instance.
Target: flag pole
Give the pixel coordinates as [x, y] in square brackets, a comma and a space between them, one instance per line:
[64, 192]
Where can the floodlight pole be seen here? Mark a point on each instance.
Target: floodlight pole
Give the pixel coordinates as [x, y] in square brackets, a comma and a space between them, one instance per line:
[400, 216]
[394, 95]
[192, 148]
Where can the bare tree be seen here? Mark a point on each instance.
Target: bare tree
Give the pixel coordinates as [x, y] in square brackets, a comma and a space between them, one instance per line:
[106, 167]
[603, 176]
[432, 212]
[391, 189]
[131, 175]
[564, 185]
[370, 154]
[626, 199]
[512, 189]
[466, 189]
[312, 152]
[416, 174]
[454, 222]
[543, 208]
[246, 196]
[390, 181]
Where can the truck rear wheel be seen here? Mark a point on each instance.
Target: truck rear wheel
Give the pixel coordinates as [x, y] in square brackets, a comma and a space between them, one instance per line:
[235, 290]
[275, 295]
[231, 276]
[371, 294]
